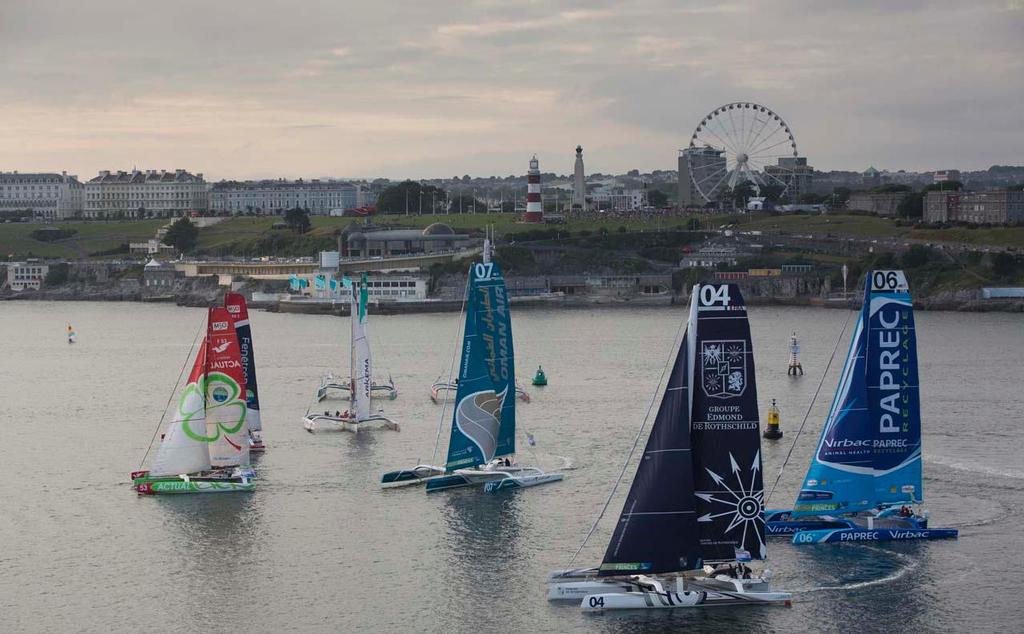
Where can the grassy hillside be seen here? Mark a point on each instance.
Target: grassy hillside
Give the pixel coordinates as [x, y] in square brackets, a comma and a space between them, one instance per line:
[90, 238]
[251, 236]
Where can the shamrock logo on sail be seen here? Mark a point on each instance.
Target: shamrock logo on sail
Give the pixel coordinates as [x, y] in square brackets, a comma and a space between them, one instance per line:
[221, 406]
[745, 509]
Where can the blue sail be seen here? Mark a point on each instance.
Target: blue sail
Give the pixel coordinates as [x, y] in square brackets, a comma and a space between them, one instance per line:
[476, 420]
[893, 391]
[869, 452]
[494, 326]
[841, 476]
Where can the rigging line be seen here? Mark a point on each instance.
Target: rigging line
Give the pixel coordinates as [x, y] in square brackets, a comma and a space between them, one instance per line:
[451, 366]
[174, 391]
[636, 441]
[799, 431]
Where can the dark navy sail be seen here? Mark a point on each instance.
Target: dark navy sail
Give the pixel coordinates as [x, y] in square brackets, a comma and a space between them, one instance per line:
[725, 426]
[657, 530]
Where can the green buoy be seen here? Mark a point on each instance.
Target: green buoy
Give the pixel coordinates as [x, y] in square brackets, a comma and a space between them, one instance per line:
[540, 379]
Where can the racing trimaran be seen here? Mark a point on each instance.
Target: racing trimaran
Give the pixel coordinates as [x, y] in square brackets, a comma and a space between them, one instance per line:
[865, 477]
[694, 510]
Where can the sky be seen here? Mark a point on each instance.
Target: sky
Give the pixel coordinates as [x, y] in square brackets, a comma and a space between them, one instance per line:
[438, 88]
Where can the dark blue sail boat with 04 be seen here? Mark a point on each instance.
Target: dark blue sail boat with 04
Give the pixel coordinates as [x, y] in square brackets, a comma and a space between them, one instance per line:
[694, 509]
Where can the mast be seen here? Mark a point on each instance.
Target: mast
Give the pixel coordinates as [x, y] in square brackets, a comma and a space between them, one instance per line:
[224, 393]
[725, 428]
[893, 392]
[239, 311]
[657, 528]
[362, 379]
[184, 448]
[840, 477]
[476, 419]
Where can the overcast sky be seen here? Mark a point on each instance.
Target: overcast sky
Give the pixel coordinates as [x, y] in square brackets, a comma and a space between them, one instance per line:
[435, 88]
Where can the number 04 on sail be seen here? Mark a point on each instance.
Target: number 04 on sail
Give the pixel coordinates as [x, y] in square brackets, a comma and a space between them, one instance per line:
[694, 508]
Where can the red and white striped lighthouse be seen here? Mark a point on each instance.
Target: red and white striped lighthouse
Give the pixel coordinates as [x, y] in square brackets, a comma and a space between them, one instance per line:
[534, 208]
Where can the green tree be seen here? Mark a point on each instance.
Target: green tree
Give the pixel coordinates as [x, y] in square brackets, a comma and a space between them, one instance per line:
[911, 205]
[182, 235]
[1003, 264]
[297, 220]
[916, 256]
[657, 198]
[57, 275]
[944, 186]
[465, 203]
[411, 196]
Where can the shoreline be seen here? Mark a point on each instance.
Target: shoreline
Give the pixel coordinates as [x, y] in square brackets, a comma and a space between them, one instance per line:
[201, 300]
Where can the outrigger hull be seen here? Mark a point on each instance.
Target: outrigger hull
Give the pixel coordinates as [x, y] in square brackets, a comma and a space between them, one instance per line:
[778, 523]
[853, 535]
[320, 422]
[420, 474]
[177, 487]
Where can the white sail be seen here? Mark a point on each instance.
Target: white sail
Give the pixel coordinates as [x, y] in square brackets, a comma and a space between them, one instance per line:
[362, 373]
[182, 452]
[225, 421]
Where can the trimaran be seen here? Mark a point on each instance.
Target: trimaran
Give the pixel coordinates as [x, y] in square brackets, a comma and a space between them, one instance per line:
[865, 476]
[206, 446]
[329, 382]
[482, 443]
[360, 387]
[694, 510]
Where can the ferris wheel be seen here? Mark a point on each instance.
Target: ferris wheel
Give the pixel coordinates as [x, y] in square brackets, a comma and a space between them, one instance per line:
[741, 142]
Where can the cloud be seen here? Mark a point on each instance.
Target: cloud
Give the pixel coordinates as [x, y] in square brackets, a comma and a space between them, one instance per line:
[423, 89]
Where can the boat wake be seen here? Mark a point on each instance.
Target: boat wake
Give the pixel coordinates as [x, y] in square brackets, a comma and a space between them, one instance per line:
[975, 468]
[910, 564]
[567, 463]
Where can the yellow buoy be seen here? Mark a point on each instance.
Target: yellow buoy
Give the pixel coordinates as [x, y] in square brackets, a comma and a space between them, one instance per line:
[772, 431]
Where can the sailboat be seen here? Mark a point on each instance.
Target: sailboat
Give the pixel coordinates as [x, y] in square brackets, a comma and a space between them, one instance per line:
[360, 389]
[865, 476]
[694, 508]
[482, 443]
[329, 382]
[239, 311]
[72, 337]
[205, 448]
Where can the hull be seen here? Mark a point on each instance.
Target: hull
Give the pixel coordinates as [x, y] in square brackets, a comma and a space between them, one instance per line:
[419, 474]
[854, 535]
[184, 484]
[789, 527]
[319, 422]
[521, 482]
[642, 601]
[476, 477]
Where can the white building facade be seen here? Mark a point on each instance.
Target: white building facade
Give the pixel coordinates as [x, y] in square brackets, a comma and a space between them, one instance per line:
[48, 196]
[319, 197]
[26, 275]
[145, 194]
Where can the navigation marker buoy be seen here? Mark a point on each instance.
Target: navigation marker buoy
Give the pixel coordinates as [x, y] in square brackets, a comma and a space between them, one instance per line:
[794, 356]
[772, 430]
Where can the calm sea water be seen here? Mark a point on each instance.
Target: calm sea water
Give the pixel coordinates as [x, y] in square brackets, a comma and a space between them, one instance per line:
[319, 547]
